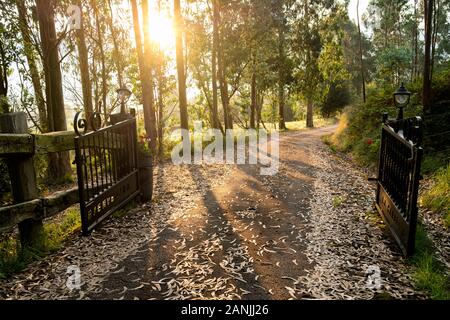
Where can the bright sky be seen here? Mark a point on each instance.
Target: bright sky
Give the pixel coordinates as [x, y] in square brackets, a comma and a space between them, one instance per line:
[362, 9]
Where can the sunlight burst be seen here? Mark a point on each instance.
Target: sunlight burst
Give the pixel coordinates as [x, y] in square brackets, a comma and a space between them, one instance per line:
[162, 31]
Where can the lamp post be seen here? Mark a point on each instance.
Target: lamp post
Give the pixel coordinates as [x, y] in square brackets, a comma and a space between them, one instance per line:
[401, 99]
[123, 95]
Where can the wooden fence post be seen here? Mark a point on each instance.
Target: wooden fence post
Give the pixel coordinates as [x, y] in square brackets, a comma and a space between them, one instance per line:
[22, 176]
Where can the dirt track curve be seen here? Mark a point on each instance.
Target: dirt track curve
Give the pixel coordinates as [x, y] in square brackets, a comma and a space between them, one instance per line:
[227, 232]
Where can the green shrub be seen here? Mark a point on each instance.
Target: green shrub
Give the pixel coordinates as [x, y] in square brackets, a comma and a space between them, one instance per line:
[360, 125]
[361, 122]
[437, 198]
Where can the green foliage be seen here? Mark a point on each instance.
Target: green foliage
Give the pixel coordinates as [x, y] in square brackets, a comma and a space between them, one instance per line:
[360, 125]
[392, 63]
[435, 161]
[429, 274]
[14, 258]
[441, 83]
[359, 134]
[336, 99]
[438, 197]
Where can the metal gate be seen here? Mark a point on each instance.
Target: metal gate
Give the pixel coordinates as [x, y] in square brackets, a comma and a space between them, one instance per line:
[398, 178]
[107, 170]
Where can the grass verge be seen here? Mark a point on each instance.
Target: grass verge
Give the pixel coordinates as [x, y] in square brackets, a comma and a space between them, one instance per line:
[437, 198]
[14, 258]
[318, 123]
[429, 274]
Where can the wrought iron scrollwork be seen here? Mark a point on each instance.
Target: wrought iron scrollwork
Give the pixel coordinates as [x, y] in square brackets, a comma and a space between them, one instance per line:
[82, 125]
[96, 121]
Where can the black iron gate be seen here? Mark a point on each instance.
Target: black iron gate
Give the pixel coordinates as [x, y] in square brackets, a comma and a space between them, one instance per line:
[398, 178]
[107, 170]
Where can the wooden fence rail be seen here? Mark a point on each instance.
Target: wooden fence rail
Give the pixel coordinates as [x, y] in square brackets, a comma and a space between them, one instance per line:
[18, 148]
[31, 144]
[37, 209]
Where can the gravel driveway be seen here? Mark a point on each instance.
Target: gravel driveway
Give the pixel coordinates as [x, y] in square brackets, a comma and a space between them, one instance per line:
[226, 232]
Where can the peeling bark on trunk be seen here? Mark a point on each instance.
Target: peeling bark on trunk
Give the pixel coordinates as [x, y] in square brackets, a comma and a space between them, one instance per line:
[32, 64]
[86, 84]
[102, 62]
[59, 162]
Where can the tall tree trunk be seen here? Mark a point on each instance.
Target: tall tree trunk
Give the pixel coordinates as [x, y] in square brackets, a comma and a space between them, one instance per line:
[102, 60]
[253, 102]
[309, 99]
[4, 107]
[436, 10]
[363, 80]
[415, 62]
[259, 105]
[426, 95]
[180, 65]
[281, 102]
[215, 115]
[144, 57]
[32, 64]
[161, 90]
[221, 70]
[386, 27]
[95, 84]
[59, 162]
[224, 91]
[116, 52]
[309, 113]
[83, 59]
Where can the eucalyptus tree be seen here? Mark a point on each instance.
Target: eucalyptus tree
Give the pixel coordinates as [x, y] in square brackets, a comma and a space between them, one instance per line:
[83, 59]
[59, 162]
[32, 55]
[7, 48]
[427, 73]
[179, 26]
[391, 22]
[306, 46]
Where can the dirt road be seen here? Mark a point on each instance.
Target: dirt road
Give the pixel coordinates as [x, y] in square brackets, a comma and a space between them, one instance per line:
[226, 232]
